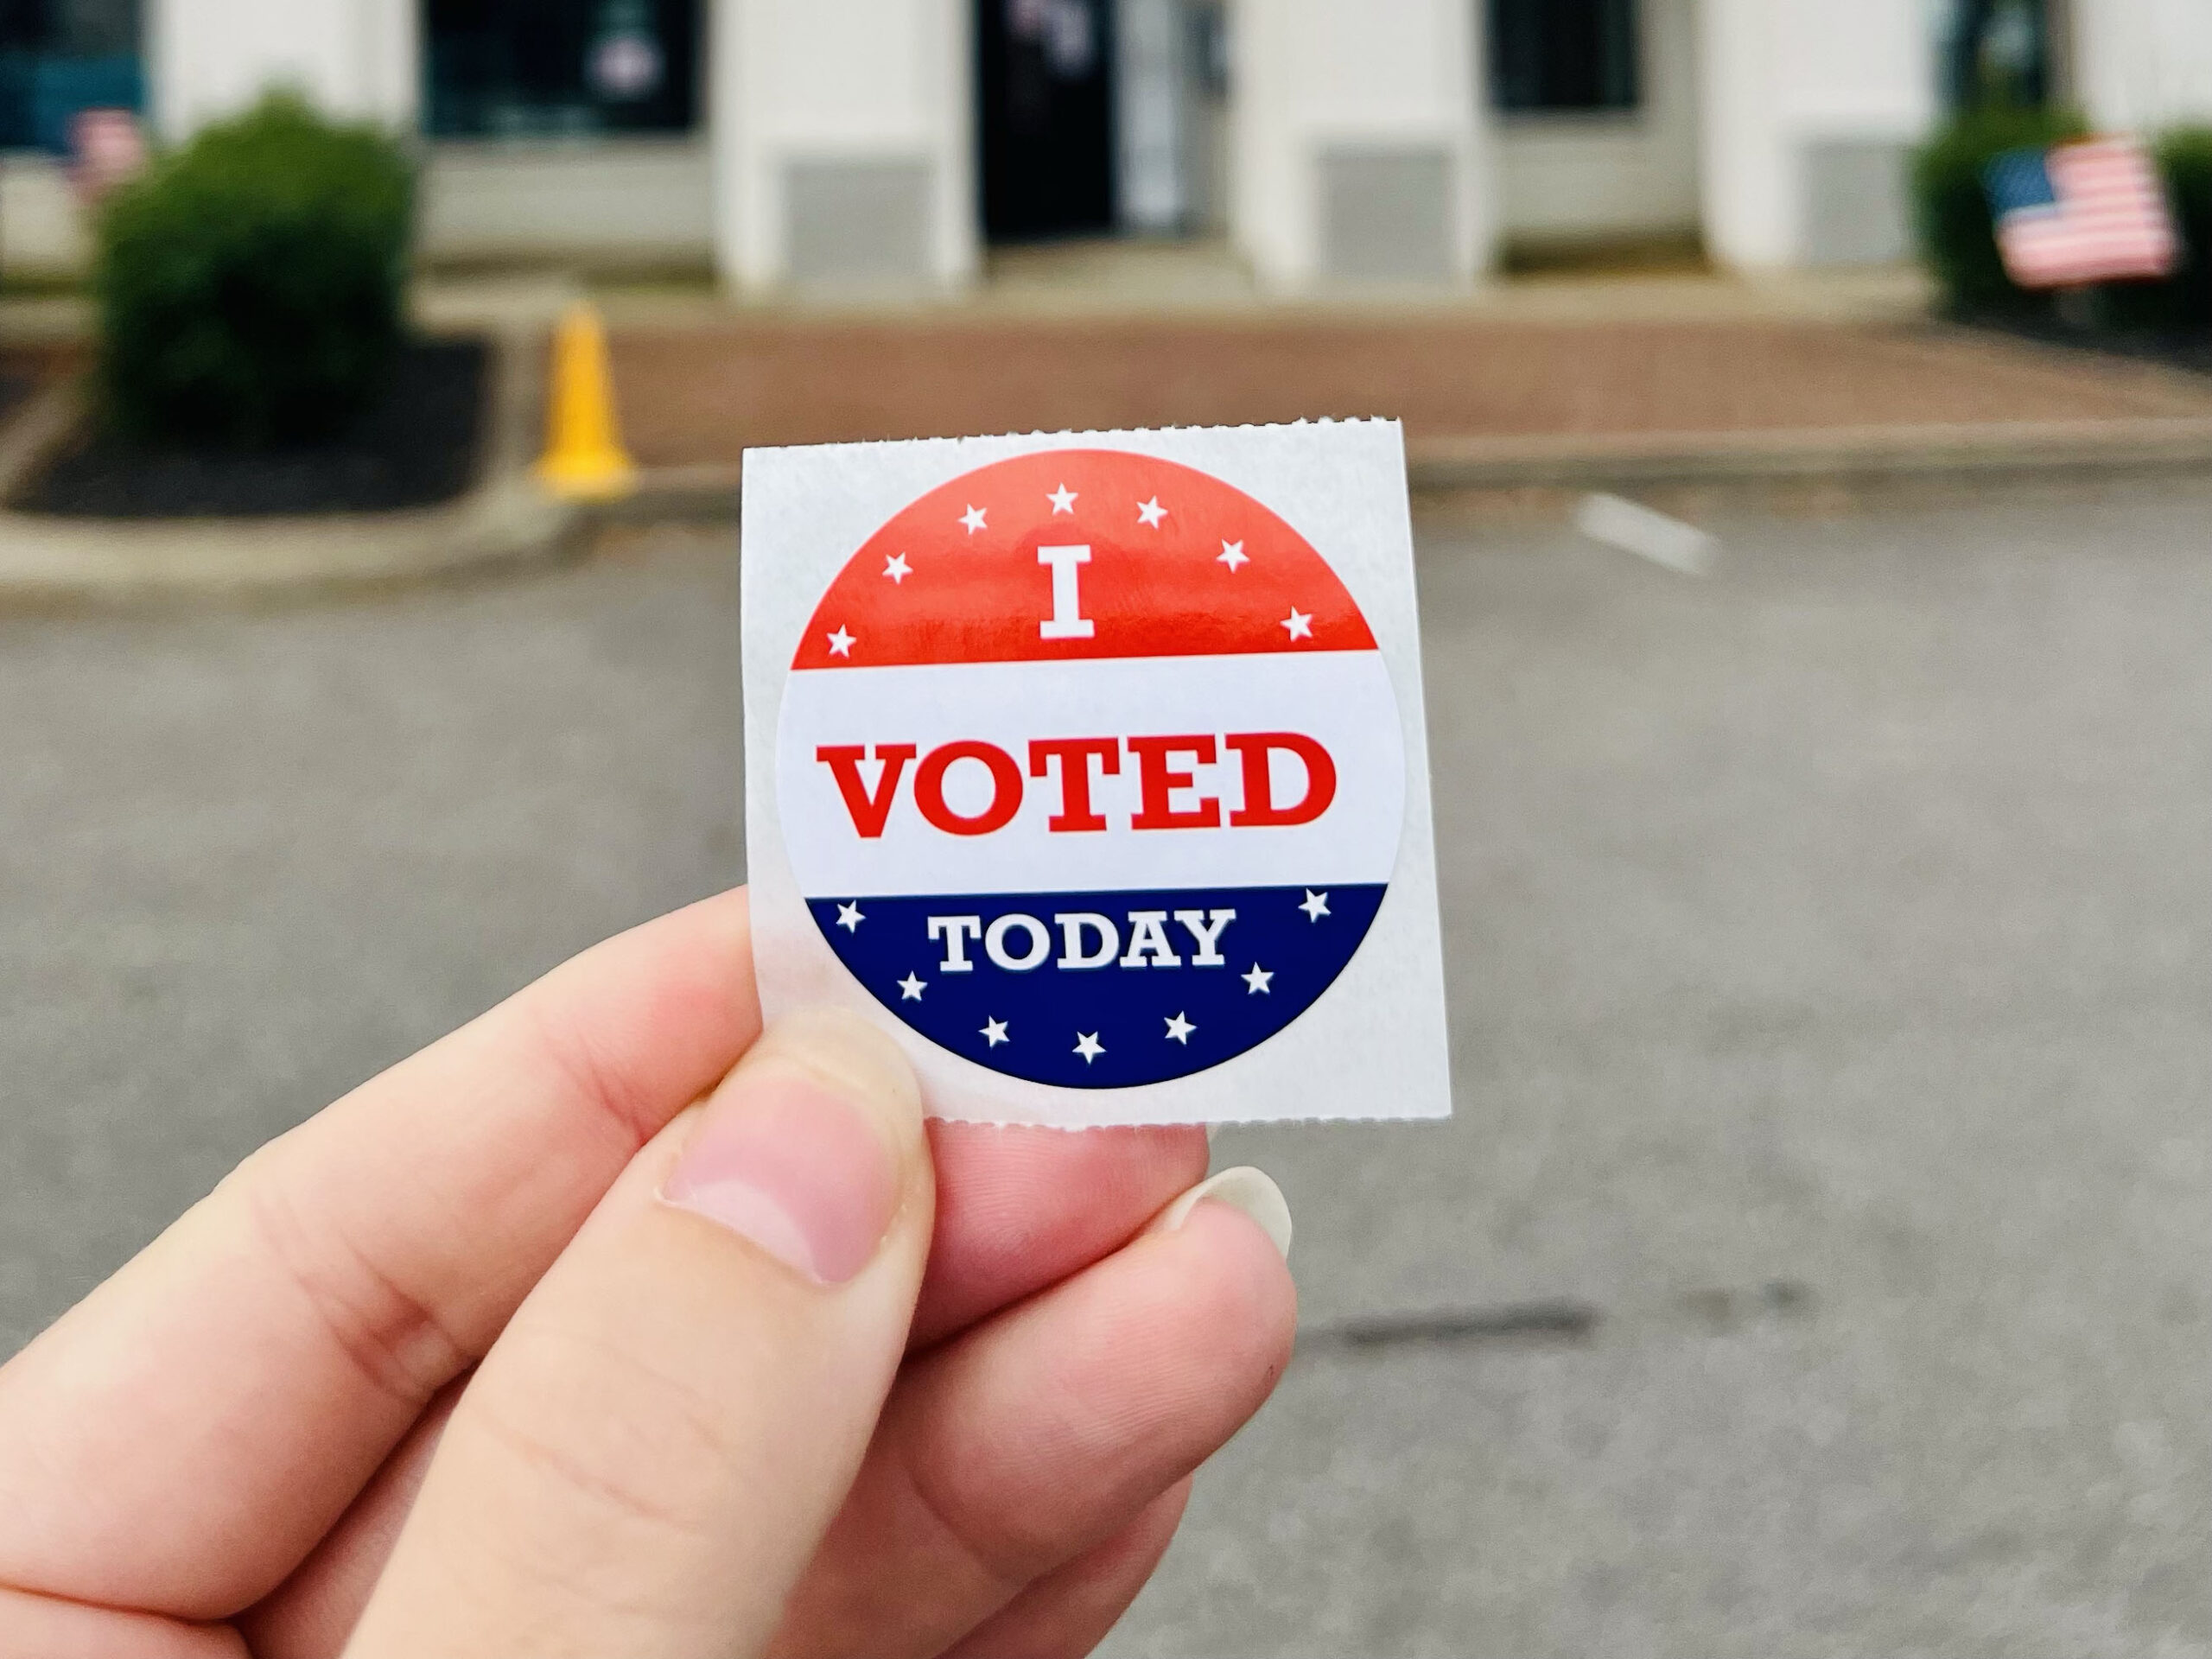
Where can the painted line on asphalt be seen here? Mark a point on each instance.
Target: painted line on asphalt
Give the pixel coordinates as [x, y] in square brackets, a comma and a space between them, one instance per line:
[1634, 528]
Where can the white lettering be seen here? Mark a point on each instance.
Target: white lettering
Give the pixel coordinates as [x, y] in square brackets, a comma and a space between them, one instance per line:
[1205, 927]
[956, 932]
[1041, 942]
[1148, 941]
[1067, 620]
[1073, 925]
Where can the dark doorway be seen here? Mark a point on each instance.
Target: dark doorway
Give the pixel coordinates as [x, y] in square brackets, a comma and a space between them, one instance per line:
[1046, 78]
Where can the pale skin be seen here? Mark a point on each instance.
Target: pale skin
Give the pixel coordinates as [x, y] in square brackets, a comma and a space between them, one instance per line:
[443, 1371]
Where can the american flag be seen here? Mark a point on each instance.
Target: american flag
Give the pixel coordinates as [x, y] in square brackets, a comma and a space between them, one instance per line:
[107, 148]
[2091, 211]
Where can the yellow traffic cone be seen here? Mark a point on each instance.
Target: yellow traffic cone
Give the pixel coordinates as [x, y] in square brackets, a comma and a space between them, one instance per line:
[584, 459]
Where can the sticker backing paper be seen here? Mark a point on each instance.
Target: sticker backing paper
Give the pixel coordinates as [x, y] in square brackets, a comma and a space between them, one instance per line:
[1091, 767]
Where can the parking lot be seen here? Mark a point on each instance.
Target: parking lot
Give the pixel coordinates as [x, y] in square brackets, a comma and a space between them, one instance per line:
[1817, 1263]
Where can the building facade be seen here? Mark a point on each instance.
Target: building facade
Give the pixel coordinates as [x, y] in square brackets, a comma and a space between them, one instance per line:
[888, 144]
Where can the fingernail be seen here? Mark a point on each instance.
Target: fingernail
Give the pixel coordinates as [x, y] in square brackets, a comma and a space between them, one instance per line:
[1244, 1188]
[793, 1151]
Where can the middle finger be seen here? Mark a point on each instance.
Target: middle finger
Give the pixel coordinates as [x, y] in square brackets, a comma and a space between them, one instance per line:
[1021, 1207]
[1032, 1437]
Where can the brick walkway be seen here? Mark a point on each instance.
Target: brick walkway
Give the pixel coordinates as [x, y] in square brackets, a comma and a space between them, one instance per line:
[700, 395]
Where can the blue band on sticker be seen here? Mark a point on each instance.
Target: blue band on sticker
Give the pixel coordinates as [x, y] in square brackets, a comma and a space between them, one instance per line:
[1100, 990]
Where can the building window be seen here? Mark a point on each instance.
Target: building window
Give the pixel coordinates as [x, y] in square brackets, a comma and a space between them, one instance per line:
[559, 68]
[1563, 55]
[59, 56]
[1996, 53]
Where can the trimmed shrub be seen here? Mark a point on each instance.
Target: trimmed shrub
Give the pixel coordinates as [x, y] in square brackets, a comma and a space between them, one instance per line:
[2185, 159]
[252, 285]
[1956, 237]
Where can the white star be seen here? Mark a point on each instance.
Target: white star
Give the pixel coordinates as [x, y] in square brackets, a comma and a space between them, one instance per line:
[840, 643]
[972, 518]
[1257, 979]
[1062, 499]
[897, 568]
[1151, 513]
[910, 989]
[849, 918]
[1232, 555]
[1300, 624]
[994, 1032]
[1316, 906]
[1180, 1030]
[1087, 1045]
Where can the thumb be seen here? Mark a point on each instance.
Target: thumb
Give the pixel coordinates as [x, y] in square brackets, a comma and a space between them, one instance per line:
[650, 1451]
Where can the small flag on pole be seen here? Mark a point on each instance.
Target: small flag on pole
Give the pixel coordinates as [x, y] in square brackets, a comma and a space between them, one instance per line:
[2090, 211]
[106, 149]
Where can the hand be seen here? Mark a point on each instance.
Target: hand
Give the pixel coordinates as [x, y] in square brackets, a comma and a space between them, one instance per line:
[521, 1347]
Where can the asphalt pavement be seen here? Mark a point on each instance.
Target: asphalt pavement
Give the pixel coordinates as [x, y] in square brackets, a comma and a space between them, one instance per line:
[1819, 1262]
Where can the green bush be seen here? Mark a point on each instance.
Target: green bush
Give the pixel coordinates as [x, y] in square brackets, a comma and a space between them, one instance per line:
[252, 285]
[2185, 159]
[1956, 237]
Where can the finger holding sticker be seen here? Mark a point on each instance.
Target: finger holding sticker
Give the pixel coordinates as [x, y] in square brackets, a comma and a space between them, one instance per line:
[1087, 772]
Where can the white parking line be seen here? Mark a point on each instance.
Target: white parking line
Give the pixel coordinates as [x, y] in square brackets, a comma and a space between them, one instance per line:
[1633, 528]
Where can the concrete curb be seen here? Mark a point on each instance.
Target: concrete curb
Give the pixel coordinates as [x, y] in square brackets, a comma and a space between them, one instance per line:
[504, 518]
[1833, 455]
[1845, 455]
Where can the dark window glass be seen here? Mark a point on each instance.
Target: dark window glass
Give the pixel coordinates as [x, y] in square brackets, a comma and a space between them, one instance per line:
[1563, 55]
[521, 68]
[1997, 53]
[59, 56]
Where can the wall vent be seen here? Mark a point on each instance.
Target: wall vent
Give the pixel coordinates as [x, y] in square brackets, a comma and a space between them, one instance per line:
[857, 223]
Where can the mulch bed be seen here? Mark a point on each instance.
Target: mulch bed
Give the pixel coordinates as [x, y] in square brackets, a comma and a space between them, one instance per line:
[415, 447]
[17, 382]
[2191, 351]
[25, 369]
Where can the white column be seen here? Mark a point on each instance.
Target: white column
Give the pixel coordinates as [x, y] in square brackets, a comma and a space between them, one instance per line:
[211, 58]
[1810, 109]
[1150, 108]
[1358, 141]
[2141, 65]
[842, 143]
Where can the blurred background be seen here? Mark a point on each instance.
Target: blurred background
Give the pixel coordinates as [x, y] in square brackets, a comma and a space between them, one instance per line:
[899, 141]
[1818, 626]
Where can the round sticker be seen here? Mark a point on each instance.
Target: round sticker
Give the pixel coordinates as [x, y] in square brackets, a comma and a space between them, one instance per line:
[1090, 769]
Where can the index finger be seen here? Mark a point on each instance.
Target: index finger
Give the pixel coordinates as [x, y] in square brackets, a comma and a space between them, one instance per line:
[181, 1441]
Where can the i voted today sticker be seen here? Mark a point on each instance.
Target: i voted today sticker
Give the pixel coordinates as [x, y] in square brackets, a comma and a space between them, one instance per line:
[1084, 766]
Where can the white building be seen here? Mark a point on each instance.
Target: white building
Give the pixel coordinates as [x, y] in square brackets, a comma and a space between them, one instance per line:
[888, 143]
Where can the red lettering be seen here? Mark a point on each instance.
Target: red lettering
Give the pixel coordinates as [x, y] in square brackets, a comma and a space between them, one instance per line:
[1157, 781]
[1260, 808]
[1006, 788]
[870, 812]
[1159, 776]
[1075, 756]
